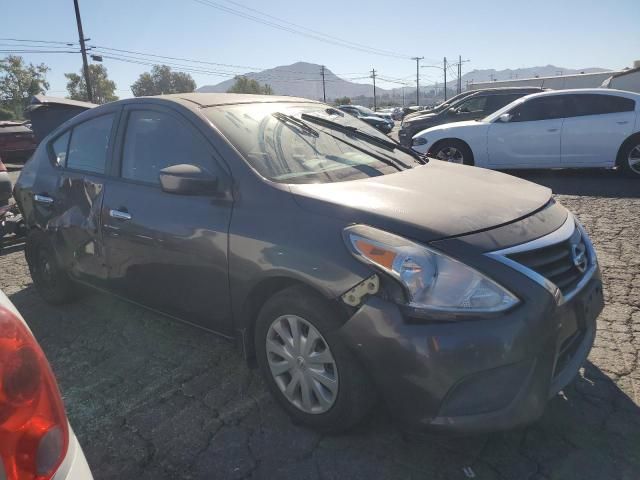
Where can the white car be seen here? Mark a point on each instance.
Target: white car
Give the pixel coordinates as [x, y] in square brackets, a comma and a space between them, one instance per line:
[585, 128]
[36, 440]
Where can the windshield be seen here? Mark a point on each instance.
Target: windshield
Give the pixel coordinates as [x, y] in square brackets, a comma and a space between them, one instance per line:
[281, 146]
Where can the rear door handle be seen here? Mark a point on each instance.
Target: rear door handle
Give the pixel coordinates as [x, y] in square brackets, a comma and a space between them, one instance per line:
[43, 199]
[552, 130]
[119, 215]
[623, 122]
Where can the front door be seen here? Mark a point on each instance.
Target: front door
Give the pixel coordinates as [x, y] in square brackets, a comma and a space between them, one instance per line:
[599, 125]
[531, 138]
[167, 251]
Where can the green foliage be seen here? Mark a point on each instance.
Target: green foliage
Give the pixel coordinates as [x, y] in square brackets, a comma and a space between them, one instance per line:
[247, 85]
[19, 82]
[161, 80]
[6, 114]
[103, 88]
[343, 101]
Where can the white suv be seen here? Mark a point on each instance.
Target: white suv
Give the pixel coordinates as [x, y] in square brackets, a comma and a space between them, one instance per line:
[585, 128]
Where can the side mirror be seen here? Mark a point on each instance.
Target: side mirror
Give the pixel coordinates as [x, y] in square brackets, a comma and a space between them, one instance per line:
[505, 118]
[187, 179]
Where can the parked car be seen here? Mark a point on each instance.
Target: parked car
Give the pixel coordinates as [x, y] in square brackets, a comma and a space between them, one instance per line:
[17, 141]
[36, 440]
[584, 128]
[342, 263]
[477, 105]
[381, 122]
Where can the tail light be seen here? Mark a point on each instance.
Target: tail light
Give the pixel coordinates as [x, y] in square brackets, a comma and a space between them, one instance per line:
[2, 167]
[34, 433]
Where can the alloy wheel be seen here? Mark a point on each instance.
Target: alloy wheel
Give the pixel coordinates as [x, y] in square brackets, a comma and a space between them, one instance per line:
[450, 154]
[302, 364]
[634, 159]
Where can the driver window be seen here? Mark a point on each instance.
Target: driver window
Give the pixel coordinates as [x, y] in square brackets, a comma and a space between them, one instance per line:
[473, 105]
[542, 108]
[156, 140]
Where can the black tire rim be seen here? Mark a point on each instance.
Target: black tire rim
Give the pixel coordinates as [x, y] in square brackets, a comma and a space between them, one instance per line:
[45, 271]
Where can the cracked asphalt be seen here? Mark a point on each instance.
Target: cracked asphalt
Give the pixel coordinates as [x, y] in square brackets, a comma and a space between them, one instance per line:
[150, 398]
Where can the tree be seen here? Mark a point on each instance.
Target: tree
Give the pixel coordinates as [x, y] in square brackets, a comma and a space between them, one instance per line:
[343, 101]
[247, 85]
[161, 80]
[103, 88]
[19, 82]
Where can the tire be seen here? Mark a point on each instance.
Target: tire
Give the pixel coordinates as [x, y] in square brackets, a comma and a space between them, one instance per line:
[629, 157]
[51, 281]
[352, 397]
[453, 151]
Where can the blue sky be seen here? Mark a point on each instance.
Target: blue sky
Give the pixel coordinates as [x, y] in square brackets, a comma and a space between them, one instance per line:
[492, 34]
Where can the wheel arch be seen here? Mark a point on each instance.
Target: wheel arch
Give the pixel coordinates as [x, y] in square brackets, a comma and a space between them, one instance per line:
[439, 142]
[631, 138]
[255, 299]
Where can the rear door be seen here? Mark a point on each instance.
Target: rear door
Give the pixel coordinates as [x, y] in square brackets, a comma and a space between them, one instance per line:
[167, 251]
[592, 136]
[531, 139]
[70, 206]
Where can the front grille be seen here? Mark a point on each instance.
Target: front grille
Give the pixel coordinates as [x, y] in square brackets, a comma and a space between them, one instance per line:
[556, 262]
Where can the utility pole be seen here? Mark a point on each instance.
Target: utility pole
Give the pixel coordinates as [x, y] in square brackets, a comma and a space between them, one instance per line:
[83, 50]
[459, 73]
[417, 59]
[445, 79]
[324, 91]
[403, 95]
[373, 75]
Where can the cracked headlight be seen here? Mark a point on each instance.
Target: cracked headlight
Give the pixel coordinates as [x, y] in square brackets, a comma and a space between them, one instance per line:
[431, 280]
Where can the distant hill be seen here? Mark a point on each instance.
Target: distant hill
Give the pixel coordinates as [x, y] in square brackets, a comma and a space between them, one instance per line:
[301, 79]
[488, 75]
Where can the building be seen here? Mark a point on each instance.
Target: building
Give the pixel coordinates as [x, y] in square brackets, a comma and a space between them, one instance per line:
[628, 79]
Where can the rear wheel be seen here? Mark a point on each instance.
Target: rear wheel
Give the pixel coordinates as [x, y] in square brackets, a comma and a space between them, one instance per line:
[51, 281]
[308, 369]
[629, 158]
[453, 151]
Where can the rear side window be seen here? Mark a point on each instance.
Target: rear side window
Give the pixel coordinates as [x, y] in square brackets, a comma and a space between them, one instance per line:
[60, 146]
[595, 104]
[156, 140]
[89, 143]
[541, 108]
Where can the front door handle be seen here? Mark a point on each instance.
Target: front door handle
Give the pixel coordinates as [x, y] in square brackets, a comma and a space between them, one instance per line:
[119, 214]
[623, 122]
[43, 199]
[552, 130]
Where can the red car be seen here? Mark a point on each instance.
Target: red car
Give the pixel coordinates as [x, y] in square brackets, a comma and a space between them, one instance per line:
[17, 141]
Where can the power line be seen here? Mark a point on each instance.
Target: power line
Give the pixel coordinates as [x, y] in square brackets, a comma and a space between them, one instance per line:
[281, 24]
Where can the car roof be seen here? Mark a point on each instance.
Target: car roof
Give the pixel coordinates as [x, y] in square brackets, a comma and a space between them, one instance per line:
[600, 91]
[203, 100]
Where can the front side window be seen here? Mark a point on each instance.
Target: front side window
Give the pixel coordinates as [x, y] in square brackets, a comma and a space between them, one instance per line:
[88, 145]
[280, 145]
[473, 105]
[541, 108]
[156, 140]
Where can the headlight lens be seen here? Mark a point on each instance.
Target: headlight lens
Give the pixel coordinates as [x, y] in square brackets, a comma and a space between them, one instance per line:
[432, 280]
[418, 141]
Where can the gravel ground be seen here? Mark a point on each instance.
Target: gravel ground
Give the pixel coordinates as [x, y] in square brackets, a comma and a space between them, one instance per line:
[153, 399]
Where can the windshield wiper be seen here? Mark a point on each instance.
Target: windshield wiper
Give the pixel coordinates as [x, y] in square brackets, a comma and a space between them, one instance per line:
[283, 117]
[388, 144]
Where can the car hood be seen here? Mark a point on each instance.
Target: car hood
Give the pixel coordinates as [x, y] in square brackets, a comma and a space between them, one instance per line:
[427, 203]
[371, 118]
[419, 119]
[464, 124]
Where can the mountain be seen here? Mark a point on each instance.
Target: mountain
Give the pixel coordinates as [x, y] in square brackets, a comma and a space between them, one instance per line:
[302, 79]
[489, 75]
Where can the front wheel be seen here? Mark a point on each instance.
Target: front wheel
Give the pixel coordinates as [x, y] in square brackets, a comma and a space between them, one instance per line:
[453, 151]
[308, 369]
[629, 158]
